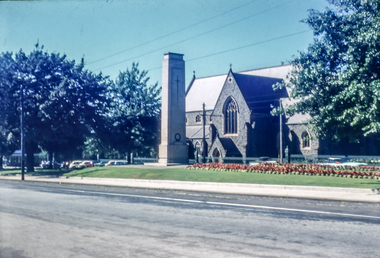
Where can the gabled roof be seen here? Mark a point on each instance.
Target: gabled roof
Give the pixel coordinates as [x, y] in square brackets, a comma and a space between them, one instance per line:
[196, 132]
[230, 147]
[204, 90]
[273, 72]
[252, 83]
[258, 92]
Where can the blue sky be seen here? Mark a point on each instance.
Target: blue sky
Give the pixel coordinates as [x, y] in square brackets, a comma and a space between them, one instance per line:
[111, 34]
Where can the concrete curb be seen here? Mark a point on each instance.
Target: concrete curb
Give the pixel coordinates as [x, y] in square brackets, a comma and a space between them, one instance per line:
[306, 192]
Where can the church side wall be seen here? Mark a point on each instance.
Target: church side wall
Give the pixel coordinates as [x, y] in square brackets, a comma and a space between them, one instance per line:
[295, 139]
[191, 121]
[191, 116]
[261, 138]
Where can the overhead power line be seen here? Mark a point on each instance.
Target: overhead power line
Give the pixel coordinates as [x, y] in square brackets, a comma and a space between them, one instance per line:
[201, 34]
[237, 48]
[171, 33]
[250, 45]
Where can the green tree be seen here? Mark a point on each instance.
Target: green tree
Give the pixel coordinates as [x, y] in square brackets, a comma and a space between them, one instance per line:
[9, 136]
[63, 102]
[8, 144]
[134, 112]
[336, 80]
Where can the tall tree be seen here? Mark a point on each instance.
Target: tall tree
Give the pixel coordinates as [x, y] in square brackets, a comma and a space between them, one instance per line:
[9, 135]
[63, 102]
[134, 112]
[336, 80]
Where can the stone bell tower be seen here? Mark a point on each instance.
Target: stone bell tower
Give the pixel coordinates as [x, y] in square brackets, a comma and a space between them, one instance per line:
[173, 148]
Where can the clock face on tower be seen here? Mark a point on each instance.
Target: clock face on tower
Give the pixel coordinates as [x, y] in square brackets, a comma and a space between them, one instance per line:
[177, 137]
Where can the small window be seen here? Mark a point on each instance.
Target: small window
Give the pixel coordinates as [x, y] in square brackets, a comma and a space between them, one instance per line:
[305, 136]
[198, 119]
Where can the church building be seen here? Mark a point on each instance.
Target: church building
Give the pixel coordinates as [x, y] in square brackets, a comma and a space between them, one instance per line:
[232, 112]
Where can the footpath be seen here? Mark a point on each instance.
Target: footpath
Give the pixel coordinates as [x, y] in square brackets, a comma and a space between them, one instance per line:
[307, 192]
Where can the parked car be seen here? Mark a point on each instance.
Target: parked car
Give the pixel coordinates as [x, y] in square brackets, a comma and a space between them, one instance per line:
[46, 164]
[100, 163]
[342, 161]
[121, 163]
[262, 160]
[110, 163]
[266, 160]
[86, 164]
[75, 164]
[65, 164]
[116, 163]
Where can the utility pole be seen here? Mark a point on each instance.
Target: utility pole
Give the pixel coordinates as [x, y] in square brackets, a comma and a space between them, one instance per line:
[22, 132]
[280, 103]
[204, 134]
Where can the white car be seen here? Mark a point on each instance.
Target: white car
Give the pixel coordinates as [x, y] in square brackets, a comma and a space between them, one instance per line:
[342, 161]
[86, 164]
[75, 164]
[110, 163]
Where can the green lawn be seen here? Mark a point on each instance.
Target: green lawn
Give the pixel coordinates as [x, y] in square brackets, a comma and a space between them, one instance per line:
[182, 174]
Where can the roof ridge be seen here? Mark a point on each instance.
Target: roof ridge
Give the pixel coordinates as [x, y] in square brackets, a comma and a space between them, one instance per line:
[211, 76]
[262, 68]
[243, 71]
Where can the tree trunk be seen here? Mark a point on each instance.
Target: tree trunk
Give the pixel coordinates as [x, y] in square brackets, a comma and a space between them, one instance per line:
[50, 160]
[29, 158]
[1, 162]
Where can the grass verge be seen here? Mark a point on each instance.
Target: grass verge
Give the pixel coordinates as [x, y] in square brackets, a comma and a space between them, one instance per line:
[182, 174]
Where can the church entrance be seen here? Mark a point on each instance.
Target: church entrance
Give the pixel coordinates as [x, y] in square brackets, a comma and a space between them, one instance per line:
[216, 155]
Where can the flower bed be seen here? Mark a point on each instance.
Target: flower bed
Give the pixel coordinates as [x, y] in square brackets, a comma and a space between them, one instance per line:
[295, 169]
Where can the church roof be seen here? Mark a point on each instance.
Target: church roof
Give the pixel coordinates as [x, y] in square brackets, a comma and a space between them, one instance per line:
[204, 90]
[255, 85]
[252, 84]
[272, 72]
[258, 91]
[196, 132]
[230, 147]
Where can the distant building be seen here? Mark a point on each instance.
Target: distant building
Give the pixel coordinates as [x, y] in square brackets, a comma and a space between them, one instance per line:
[239, 123]
[15, 159]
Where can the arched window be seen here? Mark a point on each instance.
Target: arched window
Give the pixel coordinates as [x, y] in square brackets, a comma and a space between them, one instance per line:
[186, 119]
[198, 119]
[230, 117]
[305, 136]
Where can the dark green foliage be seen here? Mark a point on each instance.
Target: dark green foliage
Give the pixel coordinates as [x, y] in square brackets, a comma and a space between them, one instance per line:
[336, 80]
[9, 135]
[134, 113]
[63, 102]
[68, 108]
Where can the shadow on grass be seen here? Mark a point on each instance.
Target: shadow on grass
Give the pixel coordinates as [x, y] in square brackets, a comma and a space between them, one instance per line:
[47, 172]
[38, 172]
[75, 173]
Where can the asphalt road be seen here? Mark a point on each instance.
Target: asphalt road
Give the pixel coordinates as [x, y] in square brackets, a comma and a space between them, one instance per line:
[53, 220]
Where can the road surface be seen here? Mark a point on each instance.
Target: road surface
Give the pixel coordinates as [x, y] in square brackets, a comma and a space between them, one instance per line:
[53, 220]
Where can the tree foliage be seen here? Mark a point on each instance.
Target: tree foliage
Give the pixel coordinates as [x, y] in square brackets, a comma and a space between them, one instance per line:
[336, 80]
[134, 112]
[68, 107]
[63, 102]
